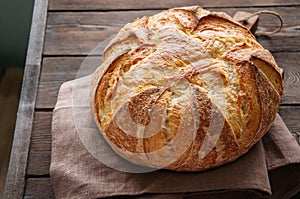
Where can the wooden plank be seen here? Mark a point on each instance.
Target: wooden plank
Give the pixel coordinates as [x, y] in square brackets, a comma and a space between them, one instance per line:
[40, 146]
[39, 158]
[120, 18]
[41, 187]
[290, 64]
[78, 33]
[37, 32]
[290, 115]
[113, 18]
[38, 188]
[153, 4]
[15, 181]
[55, 71]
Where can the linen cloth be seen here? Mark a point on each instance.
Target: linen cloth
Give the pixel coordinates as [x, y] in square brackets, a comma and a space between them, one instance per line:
[271, 168]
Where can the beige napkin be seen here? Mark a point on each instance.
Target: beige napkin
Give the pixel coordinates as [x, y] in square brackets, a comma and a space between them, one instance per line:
[270, 169]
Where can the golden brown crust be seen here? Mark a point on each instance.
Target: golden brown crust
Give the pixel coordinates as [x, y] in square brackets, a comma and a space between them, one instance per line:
[185, 89]
[265, 62]
[269, 99]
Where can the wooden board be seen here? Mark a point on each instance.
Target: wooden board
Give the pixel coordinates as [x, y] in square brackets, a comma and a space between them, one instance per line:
[120, 18]
[39, 165]
[39, 158]
[57, 70]
[290, 64]
[40, 148]
[15, 183]
[90, 28]
[291, 117]
[153, 4]
[38, 188]
[74, 28]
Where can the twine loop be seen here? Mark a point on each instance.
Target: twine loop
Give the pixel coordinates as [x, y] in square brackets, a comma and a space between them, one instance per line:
[244, 20]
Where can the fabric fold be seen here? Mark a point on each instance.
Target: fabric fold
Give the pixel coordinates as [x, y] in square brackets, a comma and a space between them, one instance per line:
[77, 169]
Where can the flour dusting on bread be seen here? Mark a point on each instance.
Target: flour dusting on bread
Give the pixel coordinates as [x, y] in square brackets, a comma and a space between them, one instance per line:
[185, 89]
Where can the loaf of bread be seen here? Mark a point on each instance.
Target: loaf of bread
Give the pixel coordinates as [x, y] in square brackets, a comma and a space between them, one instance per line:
[185, 89]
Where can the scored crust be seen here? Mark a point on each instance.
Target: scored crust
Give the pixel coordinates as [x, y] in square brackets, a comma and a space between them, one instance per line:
[185, 89]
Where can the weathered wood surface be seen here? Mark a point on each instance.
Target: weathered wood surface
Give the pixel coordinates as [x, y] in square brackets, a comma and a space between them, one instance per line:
[154, 4]
[40, 147]
[57, 70]
[75, 27]
[291, 117]
[38, 188]
[73, 33]
[39, 158]
[290, 64]
[15, 183]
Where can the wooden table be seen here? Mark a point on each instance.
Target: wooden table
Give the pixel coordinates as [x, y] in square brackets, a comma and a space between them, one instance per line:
[64, 32]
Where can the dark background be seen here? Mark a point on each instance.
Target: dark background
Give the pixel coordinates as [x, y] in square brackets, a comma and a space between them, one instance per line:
[15, 20]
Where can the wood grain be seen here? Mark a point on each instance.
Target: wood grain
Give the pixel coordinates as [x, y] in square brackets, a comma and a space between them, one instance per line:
[78, 33]
[57, 70]
[290, 115]
[120, 18]
[74, 28]
[40, 147]
[39, 158]
[153, 4]
[290, 63]
[15, 183]
[38, 188]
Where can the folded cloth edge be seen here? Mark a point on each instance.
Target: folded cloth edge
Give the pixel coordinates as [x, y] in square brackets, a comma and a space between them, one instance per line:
[66, 84]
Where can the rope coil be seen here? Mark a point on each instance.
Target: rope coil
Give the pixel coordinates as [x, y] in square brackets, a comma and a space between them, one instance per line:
[244, 20]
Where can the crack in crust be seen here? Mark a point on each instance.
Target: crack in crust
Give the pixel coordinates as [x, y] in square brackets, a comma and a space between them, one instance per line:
[165, 79]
